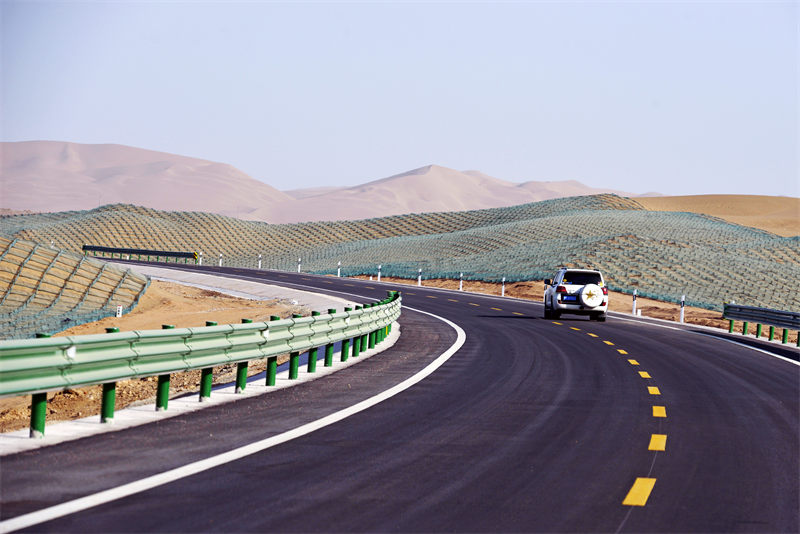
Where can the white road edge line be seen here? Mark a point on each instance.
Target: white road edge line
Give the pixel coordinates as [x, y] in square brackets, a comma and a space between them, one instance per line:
[90, 501]
[714, 337]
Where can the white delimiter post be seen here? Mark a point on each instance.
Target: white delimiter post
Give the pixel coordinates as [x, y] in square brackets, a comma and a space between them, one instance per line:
[379, 273]
[461, 282]
[298, 264]
[220, 260]
[339, 270]
[503, 288]
[634, 302]
[419, 278]
[683, 303]
[200, 259]
[259, 262]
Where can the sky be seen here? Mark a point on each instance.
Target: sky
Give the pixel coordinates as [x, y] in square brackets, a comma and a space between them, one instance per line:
[673, 97]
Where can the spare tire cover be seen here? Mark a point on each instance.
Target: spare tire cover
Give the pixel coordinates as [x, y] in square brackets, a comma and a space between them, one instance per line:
[591, 295]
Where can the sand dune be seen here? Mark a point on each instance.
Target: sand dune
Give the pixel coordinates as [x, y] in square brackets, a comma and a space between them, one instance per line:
[58, 176]
[779, 215]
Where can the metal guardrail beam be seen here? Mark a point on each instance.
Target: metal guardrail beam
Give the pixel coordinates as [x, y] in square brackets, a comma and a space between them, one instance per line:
[777, 318]
[34, 366]
[139, 252]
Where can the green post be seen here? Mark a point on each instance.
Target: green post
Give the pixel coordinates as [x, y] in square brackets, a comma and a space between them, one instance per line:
[40, 335]
[109, 395]
[312, 353]
[294, 365]
[372, 340]
[38, 414]
[345, 354]
[241, 369]
[272, 361]
[771, 333]
[758, 330]
[329, 347]
[162, 390]
[785, 337]
[206, 381]
[730, 326]
[744, 328]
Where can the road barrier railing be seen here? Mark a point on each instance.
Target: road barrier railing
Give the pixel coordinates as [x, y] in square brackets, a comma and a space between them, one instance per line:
[37, 366]
[139, 253]
[763, 316]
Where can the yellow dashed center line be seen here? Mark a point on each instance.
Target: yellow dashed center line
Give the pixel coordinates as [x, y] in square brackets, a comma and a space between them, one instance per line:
[431, 297]
[452, 300]
[518, 313]
[473, 304]
[640, 491]
[659, 411]
[658, 442]
[556, 322]
[644, 374]
[351, 285]
[608, 342]
[653, 390]
[497, 309]
[368, 287]
[633, 362]
[590, 334]
[622, 351]
[573, 328]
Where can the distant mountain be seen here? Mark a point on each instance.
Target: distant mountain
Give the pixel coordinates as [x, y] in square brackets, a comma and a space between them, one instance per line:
[59, 176]
[44, 176]
[428, 189]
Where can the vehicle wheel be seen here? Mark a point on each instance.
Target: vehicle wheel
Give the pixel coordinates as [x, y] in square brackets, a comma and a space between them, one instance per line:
[555, 315]
[547, 313]
[600, 317]
[591, 296]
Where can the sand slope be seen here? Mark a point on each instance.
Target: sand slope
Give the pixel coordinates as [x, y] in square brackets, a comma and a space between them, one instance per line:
[58, 176]
[779, 215]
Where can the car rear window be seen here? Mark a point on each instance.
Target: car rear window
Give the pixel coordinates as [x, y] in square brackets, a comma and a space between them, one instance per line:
[578, 278]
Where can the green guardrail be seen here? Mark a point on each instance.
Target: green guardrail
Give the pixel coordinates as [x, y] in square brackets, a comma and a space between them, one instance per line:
[763, 316]
[139, 252]
[36, 366]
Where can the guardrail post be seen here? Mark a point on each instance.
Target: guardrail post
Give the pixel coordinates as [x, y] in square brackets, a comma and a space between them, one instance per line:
[357, 341]
[771, 333]
[241, 369]
[329, 346]
[785, 337]
[744, 328]
[730, 326]
[272, 361]
[162, 391]
[294, 357]
[38, 414]
[206, 376]
[758, 330]
[312, 353]
[345, 354]
[109, 396]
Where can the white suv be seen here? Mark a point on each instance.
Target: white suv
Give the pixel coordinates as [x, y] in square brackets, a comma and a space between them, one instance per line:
[578, 291]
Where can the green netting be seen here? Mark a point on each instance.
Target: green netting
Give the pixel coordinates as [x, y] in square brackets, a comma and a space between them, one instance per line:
[661, 254]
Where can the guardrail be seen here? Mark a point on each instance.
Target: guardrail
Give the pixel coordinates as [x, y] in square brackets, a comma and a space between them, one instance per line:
[763, 316]
[139, 252]
[36, 366]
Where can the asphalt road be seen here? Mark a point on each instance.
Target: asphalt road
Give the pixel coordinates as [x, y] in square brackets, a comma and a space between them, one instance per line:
[533, 425]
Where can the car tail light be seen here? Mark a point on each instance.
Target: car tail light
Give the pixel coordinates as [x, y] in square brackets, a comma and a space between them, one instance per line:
[605, 302]
[605, 291]
[561, 289]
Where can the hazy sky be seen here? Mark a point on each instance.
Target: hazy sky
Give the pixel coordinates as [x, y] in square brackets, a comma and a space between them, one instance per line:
[675, 97]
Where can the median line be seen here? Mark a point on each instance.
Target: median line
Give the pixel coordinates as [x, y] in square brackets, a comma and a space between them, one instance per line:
[658, 442]
[640, 492]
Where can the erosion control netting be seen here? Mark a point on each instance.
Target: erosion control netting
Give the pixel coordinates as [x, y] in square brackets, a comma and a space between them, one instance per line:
[662, 254]
[47, 290]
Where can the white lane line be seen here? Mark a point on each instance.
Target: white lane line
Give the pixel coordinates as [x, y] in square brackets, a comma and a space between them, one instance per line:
[103, 497]
[745, 345]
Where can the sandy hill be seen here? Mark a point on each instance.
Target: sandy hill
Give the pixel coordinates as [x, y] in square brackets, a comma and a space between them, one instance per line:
[779, 215]
[432, 188]
[58, 176]
[51, 176]
[662, 254]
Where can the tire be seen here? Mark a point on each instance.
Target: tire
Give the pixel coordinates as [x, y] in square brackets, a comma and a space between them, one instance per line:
[591, 296]
[601, 317]
[547, 313]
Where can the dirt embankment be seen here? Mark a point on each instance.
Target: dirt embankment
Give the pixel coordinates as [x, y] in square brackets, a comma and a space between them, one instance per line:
[163, 303]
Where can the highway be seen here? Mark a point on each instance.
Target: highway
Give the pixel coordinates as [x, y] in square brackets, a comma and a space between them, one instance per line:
[533, 425]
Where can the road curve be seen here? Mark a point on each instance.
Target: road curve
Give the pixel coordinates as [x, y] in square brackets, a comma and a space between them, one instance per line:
[533, 425]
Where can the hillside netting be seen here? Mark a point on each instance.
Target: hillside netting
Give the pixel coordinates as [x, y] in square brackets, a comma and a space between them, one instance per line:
[663, 255]
[48, 290]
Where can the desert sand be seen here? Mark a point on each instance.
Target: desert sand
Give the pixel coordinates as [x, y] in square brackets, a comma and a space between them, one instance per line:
[779, 215]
